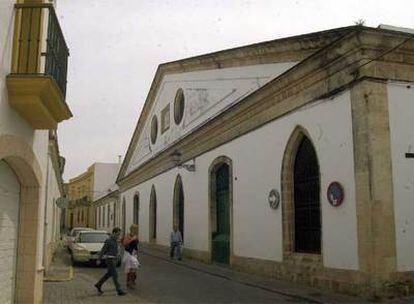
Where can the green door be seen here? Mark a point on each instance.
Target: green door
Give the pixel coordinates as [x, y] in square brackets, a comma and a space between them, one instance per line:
[221, 237]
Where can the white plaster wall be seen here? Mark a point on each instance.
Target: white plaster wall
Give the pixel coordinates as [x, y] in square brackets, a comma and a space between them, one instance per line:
[207, 93]
[401, 113]
[10, 122]
[257, 158]
[108, 226]
[104, 178]
[52, 209]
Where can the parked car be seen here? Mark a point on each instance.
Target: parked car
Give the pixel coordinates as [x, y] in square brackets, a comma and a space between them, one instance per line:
[73, 234]
[87, 245]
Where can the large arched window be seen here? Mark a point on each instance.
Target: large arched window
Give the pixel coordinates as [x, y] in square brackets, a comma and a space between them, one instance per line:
[178, 205]
[153, 216]
[136, 209]
[301, 196]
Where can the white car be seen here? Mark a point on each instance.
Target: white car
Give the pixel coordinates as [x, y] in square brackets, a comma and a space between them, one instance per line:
[87, 246]
[73, 234]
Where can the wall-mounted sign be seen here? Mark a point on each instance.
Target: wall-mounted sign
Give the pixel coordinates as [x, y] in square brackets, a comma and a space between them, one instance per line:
[274, 199]
[335, 194]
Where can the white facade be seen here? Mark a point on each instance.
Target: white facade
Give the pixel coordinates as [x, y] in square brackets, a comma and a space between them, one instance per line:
[104, 178]
[9, 225]
[52, 213]
[257, 158]
[17, 131]
[207, 93]
[401, 111]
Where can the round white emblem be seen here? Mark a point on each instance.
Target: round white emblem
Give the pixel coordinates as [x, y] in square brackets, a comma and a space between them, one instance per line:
[274, 199]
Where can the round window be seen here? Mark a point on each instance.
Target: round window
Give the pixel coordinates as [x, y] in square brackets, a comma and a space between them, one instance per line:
[179, 106]
[154, 129]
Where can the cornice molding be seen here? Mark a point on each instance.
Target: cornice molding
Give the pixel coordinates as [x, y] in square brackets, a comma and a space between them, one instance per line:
[327, 72]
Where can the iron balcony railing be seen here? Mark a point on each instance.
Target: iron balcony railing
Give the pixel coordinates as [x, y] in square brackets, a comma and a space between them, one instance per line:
[41, 47]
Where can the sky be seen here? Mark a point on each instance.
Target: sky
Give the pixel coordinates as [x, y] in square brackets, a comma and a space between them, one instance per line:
[116, 46]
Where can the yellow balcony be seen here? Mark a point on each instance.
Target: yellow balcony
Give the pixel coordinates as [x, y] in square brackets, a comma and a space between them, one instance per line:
[37, 83]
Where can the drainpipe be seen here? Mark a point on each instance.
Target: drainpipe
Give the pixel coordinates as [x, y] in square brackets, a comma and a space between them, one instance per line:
[45, 212]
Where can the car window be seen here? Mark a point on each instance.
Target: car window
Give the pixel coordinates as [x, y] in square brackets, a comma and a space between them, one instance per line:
[93, 237]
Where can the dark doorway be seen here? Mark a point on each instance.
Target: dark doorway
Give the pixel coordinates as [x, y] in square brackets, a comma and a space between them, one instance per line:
[307, 201]
[153, 215]
[221, 225]
[136, 209]
[178, 208]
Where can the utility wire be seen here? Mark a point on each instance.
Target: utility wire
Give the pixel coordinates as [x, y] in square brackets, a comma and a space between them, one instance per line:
[386, 52]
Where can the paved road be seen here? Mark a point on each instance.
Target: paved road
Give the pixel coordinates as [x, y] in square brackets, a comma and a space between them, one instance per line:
[161, 281]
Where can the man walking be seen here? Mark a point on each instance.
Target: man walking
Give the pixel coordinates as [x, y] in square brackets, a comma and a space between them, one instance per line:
[176, 241]
[110, 250]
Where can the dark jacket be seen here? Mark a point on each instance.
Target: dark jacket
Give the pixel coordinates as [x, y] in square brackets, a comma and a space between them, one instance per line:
[110, 248]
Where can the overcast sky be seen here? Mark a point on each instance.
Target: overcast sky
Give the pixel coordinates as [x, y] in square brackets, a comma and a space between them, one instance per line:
[116, 46]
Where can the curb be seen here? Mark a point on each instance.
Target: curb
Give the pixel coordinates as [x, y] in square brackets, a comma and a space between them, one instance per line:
[60, 278]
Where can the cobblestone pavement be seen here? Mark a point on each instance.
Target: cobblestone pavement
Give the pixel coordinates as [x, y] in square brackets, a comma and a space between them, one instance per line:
[161, 280]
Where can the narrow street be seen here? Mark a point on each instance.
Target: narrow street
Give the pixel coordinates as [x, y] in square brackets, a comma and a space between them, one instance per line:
[163, 281]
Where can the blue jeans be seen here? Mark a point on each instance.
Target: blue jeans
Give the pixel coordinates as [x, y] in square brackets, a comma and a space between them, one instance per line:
[111, 272]
[174, 246]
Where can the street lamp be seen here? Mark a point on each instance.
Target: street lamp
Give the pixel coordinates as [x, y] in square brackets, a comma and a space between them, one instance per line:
[176, 158]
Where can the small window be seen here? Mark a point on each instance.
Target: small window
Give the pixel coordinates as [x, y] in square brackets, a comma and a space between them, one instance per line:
[179, 106]
[165, 119]
[154, 129]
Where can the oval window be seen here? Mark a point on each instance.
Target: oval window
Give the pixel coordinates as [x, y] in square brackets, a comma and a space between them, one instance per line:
[179, 106]
[154, 129]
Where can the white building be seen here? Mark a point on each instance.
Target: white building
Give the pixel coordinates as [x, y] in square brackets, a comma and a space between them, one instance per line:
[107, 210]
[32, 103]
[322, 123]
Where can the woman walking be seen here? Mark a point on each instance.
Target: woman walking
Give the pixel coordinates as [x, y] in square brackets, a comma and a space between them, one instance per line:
[130, 243]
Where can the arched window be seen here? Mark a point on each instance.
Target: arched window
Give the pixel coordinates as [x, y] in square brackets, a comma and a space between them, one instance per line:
[136, 209]
[306, 199]
[301, 213]
[103, 216]
[123, 216]
[109, 216]
[114, 219]
[178, 205]
[153, 216]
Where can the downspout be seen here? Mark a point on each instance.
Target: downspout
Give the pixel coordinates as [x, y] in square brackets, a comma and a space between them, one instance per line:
[45, 212]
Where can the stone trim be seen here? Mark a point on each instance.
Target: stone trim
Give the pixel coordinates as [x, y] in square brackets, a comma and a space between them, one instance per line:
[217, 162]
[21, 158]
[288, 49]
[287, 185]
[373, 183]
[301, 271]
[323, 74]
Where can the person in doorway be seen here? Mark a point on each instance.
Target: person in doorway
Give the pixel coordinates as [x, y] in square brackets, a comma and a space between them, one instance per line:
[130, 242]
[176, 241]
[110, 251]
